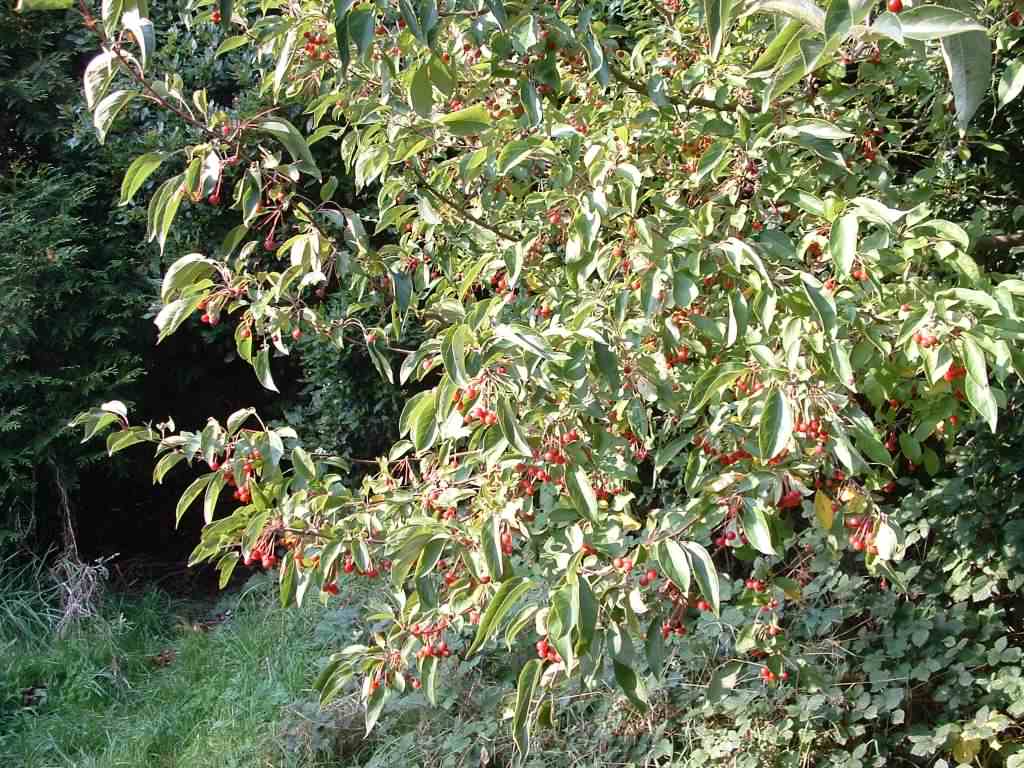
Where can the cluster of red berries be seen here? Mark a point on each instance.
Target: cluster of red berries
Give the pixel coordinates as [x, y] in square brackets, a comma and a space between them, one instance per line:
[547, 651]
[837, 477]
[531, 474]
[673, 627]
[486, 417]
[649, 577]
[348, 565]
[790, 500]
[429, 635]
[215, 17]
[954, 372]
[755, 585]
[728, 459]
[749, 387]
[312, 48]
[257, 556]
[771, 605]
[678, 358]
[811, 429]
[766, 674]
[726, 538]
[863, 537]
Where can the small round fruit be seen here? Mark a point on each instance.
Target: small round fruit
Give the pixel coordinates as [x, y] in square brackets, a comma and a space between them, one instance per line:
[895, 6]
[215, 17]
[296, 333]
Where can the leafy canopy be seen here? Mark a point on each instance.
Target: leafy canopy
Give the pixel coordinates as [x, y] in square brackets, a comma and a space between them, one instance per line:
[674, 290]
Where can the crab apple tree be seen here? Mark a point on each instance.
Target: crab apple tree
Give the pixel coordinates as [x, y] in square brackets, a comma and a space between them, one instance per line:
[672, 294]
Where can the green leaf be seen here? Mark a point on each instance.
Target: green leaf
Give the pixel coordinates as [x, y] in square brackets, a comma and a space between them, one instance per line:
[804, 11]
[360, 26]
[675, 563]
[262, 366]
[532, 105]
[140, 170]
[514, 153]
[183, 273]
[703, 568]
[424, 422]
[468, 121]
[227, 10]
[581, 492]
[968, 58]
[421, 92]
[453, 352]
[843, 244]
[1011, 83]
[717, 16]
[823, 305]
[166, 463]
[776, 426]
[141, 30]
[293, 141]
[98, 74]
[976, 385]
[930, 22]
[631, 685]
[213, 490]
[725, 678]
[510, 428]
[755, 525]
[529, 677]
[773, 53]
[838, 19]
[191, 493]
[508, 593]
[29, 6]
[108, 109]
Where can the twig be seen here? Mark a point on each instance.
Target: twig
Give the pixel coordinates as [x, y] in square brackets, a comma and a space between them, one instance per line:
[115, 48]
[637, 86]
[459, 210]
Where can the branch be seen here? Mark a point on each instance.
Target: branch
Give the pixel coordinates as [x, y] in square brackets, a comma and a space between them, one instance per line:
[115, 48]
[460, 210]
[639, 87]
[996, 244]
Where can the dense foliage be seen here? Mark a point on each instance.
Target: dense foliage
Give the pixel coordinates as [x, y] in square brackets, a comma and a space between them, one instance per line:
[681, 292]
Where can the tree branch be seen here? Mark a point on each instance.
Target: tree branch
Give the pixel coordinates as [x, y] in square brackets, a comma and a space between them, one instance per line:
[639, 87]
[115, 48]
[995, 244]
[460, 210]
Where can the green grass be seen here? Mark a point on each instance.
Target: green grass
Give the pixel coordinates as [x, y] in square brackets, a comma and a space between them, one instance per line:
[237, 695]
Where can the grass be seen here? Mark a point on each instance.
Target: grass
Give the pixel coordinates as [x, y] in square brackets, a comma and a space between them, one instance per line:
[104, 696]
[139, 685]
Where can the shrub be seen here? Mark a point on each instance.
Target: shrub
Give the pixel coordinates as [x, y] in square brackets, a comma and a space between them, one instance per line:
[687, 329]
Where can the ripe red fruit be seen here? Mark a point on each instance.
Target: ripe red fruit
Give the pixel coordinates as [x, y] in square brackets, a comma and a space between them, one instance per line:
[215, 17]
[269, 244]
[415, 684]
[895, 6]
[1015, 18]
[296, 333]
[618, 562]
[331, 588]
[214, 199]
[703, 605]
[652, 575]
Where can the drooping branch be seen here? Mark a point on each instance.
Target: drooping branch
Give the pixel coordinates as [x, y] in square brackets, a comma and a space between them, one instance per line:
[636, 85]
[114, 47]
[459, 210]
